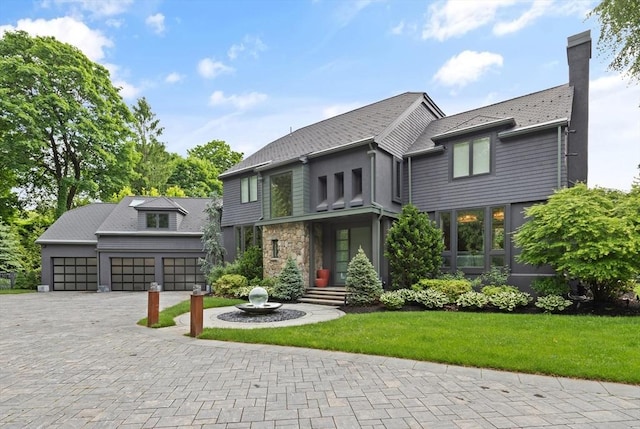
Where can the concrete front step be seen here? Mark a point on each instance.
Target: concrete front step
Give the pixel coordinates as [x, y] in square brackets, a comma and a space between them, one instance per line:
[324, 296]
[320, 301]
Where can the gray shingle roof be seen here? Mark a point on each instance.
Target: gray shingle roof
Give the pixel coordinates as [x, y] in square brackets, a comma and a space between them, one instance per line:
[160, 203]
[536, 108]
[124, 218]
[77, 225]
[366, 122]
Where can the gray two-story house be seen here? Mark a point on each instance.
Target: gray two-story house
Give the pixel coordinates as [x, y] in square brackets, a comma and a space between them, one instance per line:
[322, 191]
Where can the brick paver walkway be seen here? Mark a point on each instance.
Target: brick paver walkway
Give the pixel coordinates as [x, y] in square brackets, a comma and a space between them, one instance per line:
[76, 360]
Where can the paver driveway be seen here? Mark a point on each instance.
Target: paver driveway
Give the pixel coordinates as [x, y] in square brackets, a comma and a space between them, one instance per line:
[72, 360]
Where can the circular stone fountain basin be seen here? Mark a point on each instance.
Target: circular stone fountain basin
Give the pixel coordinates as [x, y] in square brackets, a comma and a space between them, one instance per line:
[267, 307]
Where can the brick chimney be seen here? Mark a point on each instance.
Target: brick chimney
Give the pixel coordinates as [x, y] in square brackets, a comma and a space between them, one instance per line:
[578, 56]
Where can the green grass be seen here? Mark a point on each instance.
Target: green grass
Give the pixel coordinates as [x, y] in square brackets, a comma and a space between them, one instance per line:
[15, 291]
[588, 347]
[166, 316]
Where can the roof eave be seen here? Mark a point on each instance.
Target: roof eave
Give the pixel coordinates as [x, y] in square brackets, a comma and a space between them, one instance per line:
[510, 121]
[533, 128]
[242, 170]
[430, 151]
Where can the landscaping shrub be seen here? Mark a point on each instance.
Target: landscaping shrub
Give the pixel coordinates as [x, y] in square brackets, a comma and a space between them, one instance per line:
[458, 275]
[362, 284]
[407, 295]
[495, 276]
[552, 303]
[509, 300]
[492, 289]
[289, 285]
[450, 287]
[556, 285]
[413, 248]
[472, 300]
[229, 285]
[431, 298]
[250, 263]
[243, 292]
[392, 300]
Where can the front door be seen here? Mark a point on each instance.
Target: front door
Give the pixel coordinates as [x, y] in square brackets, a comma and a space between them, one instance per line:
[348, 241]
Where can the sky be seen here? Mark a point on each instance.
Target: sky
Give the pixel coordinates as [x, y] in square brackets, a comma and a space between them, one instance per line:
[248, 72]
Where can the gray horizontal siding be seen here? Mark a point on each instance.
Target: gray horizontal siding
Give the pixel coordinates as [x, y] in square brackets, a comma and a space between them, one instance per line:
[523, 169]
[138, 243]
[234, 212]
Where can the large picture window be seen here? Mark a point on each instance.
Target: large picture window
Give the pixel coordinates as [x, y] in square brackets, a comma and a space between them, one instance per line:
[249, 189]
[472, 158]
[474, 238]
[281, 195]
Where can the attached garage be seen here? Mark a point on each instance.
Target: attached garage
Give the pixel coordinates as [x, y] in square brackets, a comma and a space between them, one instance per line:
[132, 274]
[181, 273]
[75, 273]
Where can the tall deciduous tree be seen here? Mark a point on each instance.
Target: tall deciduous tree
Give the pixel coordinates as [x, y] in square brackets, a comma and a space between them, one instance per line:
[218, 153]
[63, 125]
[10, 258]
[620, 34]
[592, 235]
[414, 248]
[154, 165]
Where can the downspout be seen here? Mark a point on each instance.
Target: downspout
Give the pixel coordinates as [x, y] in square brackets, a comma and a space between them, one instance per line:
[376, 236]
[559, 169]
[409, 179]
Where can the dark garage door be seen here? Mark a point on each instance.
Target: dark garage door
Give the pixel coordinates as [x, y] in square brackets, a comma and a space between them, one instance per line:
[75, 274]
[131, 274]
[181, 273]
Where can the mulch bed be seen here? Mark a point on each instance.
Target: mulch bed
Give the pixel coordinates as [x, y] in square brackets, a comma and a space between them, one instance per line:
[620, 307]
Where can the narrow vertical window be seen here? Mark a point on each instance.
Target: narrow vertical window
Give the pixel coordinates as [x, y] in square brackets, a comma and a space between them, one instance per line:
[339, 182]
[356, 182]
[397, 180]
[445, 226]
[322, 189]
[274, 248]
[470, 225]
[253, 188]
[481, 156]
[244, 190]
[461, 160]
[281, 195]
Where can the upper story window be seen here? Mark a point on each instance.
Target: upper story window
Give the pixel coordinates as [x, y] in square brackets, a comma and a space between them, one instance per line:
[356, 182]
[249, 189]
[281, 195]
[157, 220]
[338, 181]
[397, 180]
[472, 157]
[322, 193]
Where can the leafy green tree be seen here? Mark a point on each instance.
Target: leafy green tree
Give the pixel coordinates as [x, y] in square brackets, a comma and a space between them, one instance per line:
[414, 248]
[212, 239]
[620, 34]
[362, 284]
[10, 257]
[63, 126]
[198, 177]
[154, 165]
[591, 235]
[218, 153]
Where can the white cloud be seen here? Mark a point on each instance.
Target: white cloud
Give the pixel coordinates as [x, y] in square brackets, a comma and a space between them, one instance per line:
[452, 18]
[66, 29]
[156, 23]
[614, 132]
[97, 8]
[348, 10]
[128, 91]
[397, 30]
[210, 69]
[466, 67]
[240, 102]
[538, 8]
[253, 45]
[173, 77]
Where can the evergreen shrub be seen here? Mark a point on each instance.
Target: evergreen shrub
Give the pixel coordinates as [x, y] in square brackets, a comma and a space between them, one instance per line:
[362, 284]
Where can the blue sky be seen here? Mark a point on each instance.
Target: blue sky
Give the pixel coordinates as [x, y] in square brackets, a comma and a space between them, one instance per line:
[249, 71]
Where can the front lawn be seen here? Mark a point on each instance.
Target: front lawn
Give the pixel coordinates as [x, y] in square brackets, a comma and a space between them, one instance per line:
[588, 347]
[15, 291]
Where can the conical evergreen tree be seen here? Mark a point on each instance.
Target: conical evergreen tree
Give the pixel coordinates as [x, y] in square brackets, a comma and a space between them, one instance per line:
[362, 284]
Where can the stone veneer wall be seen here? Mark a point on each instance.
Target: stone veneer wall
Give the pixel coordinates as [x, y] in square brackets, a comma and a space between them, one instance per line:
[317, 248]
[293, 240]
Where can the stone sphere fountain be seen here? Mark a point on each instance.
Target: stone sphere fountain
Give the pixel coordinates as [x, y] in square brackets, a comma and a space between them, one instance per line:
[258, 304]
